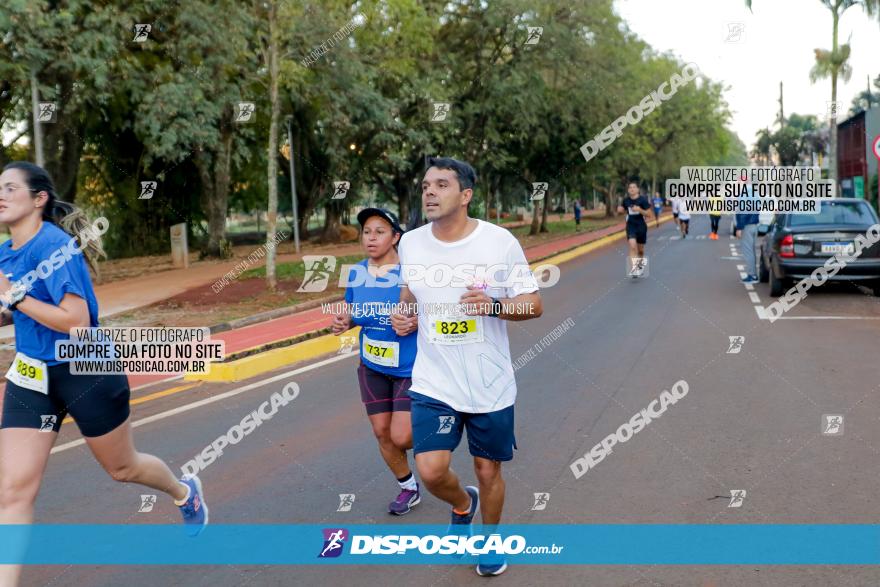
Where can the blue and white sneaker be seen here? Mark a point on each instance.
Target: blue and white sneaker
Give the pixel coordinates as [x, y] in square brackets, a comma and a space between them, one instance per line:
[459, 520]
[749, 279]
[491, 565]
[195, 510]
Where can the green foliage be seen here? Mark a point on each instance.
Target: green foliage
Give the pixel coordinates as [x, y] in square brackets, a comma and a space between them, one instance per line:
[360, 112]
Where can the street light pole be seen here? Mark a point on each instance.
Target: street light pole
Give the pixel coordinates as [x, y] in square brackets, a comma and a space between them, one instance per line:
[293, 186]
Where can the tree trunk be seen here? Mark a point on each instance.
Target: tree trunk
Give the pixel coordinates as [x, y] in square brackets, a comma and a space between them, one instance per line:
[536, 218]
[304, 215]
[488, 182]
[544, 214]
[331, 232]
[202, 161]
[402, 192]
[63, 143]
[610, 203]
[272, 155]
[214, 174]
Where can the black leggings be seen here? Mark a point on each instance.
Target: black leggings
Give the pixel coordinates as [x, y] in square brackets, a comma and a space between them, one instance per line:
[716, 220]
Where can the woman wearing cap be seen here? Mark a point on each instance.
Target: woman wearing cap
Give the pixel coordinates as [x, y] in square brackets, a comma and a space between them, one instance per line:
[386, 359]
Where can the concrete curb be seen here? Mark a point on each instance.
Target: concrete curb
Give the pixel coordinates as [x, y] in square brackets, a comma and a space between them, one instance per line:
[254, 365]
[257, 364]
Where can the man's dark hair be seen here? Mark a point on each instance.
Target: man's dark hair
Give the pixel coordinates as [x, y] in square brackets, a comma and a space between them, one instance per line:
[634, 180]
[466, 175]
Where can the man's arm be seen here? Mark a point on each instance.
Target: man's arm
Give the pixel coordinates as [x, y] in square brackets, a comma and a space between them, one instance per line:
[523, 307]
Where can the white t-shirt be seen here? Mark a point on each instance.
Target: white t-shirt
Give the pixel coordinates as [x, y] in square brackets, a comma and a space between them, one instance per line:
[469, 367]
[682, 210]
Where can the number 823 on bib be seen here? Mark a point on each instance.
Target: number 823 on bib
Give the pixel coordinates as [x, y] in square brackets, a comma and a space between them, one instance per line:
[456, 330]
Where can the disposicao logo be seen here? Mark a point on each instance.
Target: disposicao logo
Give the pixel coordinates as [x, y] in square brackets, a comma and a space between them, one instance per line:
[334, 541]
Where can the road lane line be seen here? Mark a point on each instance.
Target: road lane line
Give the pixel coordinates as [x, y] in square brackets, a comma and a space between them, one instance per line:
[754, 297]
[829, 318]
[216, 398]
[142, 386]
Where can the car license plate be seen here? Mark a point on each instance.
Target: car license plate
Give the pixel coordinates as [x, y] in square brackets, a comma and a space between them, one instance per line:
[835, 248]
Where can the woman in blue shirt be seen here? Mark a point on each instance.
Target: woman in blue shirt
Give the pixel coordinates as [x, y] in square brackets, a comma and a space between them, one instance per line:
[46, 290]
[386, 364]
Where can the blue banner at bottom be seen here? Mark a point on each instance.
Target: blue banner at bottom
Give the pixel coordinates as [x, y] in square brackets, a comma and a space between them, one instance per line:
[570, 544]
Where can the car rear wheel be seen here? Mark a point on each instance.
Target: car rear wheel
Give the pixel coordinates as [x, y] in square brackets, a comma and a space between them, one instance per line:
[777, 285]
[763, 271]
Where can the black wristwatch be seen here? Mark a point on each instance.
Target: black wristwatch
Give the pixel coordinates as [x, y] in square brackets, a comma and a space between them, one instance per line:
[496, 308]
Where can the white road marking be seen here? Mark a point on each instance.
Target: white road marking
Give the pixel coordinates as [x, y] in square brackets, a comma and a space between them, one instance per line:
[754, 297]
[215, 398]
[749, 286]
[174, 378]
[829, 318]
[741, 267]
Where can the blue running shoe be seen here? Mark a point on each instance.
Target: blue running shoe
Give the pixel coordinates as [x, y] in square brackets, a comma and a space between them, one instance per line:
[466, 519]
[749, 279]
[195, 510]
[491, 565]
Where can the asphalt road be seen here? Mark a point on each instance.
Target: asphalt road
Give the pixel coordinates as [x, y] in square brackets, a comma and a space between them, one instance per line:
[751, 420]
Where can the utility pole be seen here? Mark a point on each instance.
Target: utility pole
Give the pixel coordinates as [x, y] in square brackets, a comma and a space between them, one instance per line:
[293, 186]
[781, 111]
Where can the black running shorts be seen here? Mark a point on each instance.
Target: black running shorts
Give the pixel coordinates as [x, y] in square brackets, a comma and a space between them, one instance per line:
[97, 403]
[638, 232]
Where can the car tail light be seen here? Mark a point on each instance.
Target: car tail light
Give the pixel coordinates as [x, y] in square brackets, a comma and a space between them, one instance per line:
[786, 246]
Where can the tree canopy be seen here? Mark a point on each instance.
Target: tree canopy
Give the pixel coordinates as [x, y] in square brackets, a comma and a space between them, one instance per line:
[526, 83]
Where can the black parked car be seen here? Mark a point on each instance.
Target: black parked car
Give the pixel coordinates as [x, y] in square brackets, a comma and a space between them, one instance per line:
[796, 244]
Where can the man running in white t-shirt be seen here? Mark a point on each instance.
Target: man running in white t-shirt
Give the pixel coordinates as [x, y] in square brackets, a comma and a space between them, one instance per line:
[463, 375]
[684, 218]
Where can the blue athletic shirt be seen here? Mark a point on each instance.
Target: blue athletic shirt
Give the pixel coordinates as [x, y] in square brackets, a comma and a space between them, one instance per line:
[372, 304]
[72, 276]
